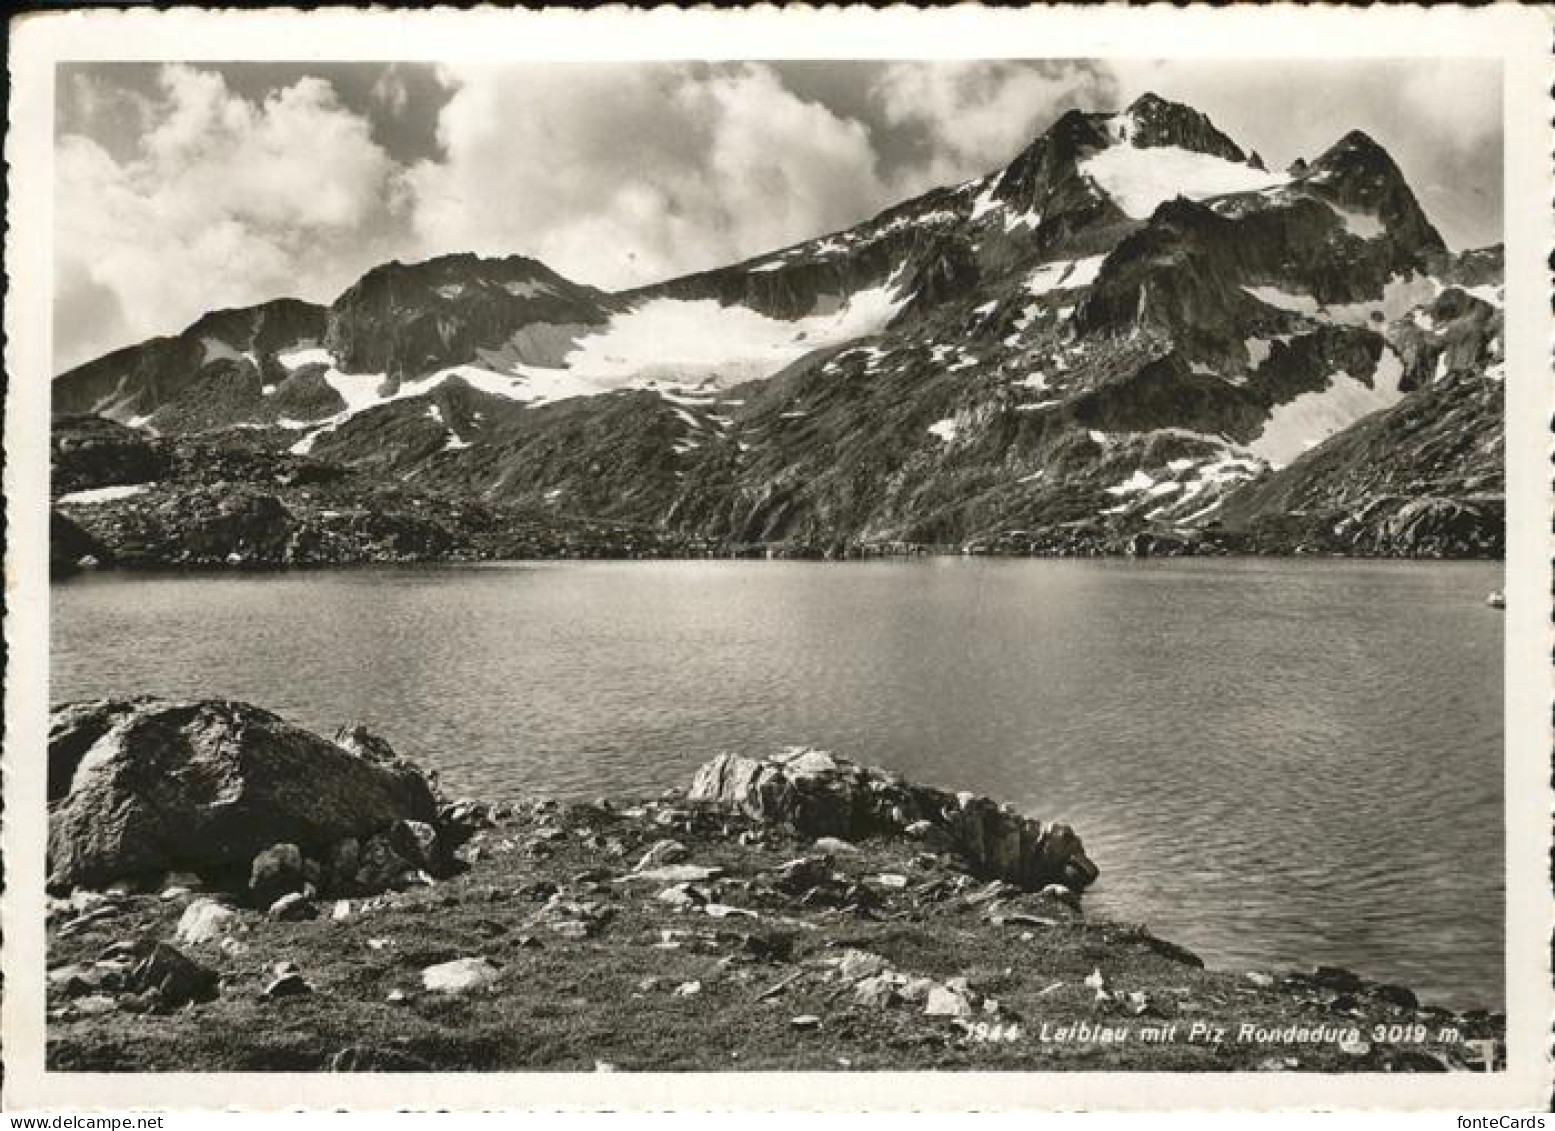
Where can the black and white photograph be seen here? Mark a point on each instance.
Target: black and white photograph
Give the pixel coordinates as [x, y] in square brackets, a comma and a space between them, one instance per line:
[764, 563]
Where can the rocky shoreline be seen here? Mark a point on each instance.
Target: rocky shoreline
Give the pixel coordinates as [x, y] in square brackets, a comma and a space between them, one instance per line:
[235, 500]
[231, 892]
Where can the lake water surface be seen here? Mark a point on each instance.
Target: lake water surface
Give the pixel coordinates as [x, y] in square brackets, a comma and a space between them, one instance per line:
[1276, 763]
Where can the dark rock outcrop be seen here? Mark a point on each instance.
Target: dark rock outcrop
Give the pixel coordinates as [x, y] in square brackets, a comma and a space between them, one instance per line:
[820, 794]
[92, 451]
[155, 785]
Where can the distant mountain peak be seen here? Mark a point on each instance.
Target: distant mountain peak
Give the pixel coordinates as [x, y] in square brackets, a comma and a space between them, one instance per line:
[1357, 172]
[1154, 122]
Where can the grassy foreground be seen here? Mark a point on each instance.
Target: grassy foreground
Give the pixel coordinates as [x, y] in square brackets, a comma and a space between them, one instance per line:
[888, 957]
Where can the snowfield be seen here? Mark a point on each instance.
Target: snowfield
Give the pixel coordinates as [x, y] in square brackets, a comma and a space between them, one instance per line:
[1399, 296]
[1140, 180]
[692, 340]
[1312, 417]
[667, 346]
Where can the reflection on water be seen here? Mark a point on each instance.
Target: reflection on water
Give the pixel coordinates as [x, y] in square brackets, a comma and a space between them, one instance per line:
[1276, 763]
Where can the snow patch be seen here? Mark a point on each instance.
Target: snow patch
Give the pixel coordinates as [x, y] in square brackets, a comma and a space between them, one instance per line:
[945, 429]
[1064, 274]
[304, 355]
[986, 202]
[1362, 225]
[1311, 418]
[217, 350]
[103, 495]
[1133, 485]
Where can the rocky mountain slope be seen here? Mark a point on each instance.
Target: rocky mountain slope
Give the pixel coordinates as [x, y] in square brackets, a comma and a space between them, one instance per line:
[1133, 336]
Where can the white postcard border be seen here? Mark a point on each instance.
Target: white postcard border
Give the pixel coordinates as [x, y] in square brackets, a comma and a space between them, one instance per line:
[1519, 36]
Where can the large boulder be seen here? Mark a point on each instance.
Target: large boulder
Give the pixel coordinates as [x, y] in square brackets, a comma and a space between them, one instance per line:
[820, 794]
[143, 786]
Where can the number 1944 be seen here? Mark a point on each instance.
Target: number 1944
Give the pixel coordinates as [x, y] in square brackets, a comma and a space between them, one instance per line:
[994, 1031]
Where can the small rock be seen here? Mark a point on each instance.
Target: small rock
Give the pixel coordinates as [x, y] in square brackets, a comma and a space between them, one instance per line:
[1401, 996]
[1354, 1046]
[205, 920]
[93, 1005]
[289, 984]
[381, 866]
[1135, 1003]
[1258, 978]
[293, 908]
[1061, 894]
[725, 911]
[683, 896]
[918, 830]
[946, 1001]
[172, 978]
[1096, 980]
[856, 964]
[177, 892]
[83, 899]
[341, 911]
[397, 997]
[1336, 978]
[893, 880]
[877, 992]
[662, 853]
[798, 876]
[805, 1022]
[275, 872]
[342, 862]
[460, 976]
[75, 980]
[367, 1058]
[1278, 1064]
[676, 874]
[81, 922]
[836, 846]
[688, 989]
[575, 929]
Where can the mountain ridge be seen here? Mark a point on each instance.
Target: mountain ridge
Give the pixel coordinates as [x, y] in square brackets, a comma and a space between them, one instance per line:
[1110, 336]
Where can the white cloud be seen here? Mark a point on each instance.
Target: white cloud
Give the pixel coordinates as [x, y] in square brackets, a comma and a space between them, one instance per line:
[223, 202]
[622, 176]
[391, 90]
[977, 114]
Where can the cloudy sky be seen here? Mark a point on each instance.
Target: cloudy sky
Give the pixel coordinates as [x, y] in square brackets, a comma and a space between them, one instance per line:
[185, 187]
